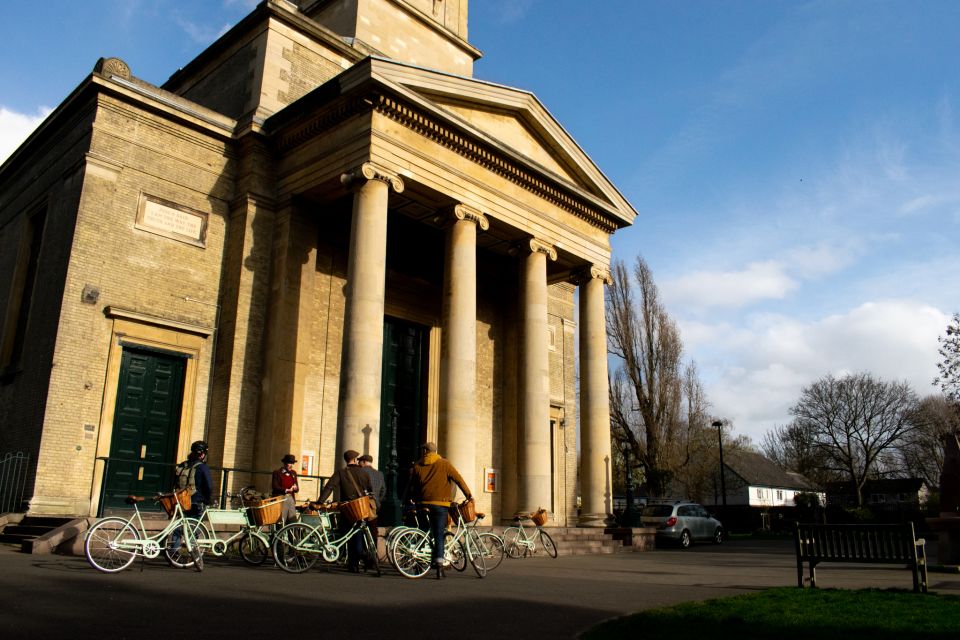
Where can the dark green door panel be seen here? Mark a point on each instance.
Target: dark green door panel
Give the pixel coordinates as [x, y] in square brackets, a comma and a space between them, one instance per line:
[146, 425]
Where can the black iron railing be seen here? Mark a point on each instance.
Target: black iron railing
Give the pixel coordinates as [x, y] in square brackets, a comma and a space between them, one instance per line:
[227, 479]
[13, 479]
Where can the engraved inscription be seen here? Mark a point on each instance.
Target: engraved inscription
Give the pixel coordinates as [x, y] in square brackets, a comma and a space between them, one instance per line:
[171, 220]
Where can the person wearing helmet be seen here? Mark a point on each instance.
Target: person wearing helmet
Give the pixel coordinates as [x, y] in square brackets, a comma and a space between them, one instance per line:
[194, 474]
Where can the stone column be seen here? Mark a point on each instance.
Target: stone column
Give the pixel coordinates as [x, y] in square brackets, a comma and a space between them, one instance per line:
[596, 489]
[358, 416]
[458, 351]
[534, 473]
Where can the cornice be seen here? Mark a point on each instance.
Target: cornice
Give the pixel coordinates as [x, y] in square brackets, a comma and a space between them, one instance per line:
[326, 118]
[483, 155]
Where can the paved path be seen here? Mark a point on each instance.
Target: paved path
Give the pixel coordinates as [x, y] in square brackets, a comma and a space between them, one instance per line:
[63, 597]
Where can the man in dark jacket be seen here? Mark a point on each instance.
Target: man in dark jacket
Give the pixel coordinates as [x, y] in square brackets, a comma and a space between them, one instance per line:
[350, 483]
[379, 489]
[431, 487]
[194, 474]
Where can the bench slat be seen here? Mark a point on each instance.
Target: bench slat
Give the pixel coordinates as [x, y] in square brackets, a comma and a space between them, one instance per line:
[887, 544]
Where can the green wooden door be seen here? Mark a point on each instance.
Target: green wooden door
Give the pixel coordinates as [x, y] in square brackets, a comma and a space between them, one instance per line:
[146, 425]
[404, 355]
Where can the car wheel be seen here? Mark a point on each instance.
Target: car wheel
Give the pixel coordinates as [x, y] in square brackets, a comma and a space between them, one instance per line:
[718, 536]
[685, 539]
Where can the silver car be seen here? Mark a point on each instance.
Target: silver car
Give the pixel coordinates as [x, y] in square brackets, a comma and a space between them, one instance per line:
[681, 522]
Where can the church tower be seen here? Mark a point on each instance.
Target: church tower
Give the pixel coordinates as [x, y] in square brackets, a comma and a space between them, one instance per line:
[427, 33]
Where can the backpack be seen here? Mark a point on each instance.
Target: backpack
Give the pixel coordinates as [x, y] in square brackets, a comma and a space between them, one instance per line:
[186, 475]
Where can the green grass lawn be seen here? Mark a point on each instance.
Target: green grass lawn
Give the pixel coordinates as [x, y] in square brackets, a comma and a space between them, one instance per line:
[793, 613]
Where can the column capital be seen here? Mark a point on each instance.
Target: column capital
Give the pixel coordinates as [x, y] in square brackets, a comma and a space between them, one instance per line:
[533, 245]
[466, 212]
[593, 272]
[370, 171]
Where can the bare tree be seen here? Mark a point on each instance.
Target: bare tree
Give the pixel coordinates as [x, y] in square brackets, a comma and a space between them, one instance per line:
[854, 421]
[921, 454]
[647, 390]
[792, 447]
[949, 378]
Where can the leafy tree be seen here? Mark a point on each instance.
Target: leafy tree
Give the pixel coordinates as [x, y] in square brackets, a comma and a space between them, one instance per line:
[949, 378]
[854, 421]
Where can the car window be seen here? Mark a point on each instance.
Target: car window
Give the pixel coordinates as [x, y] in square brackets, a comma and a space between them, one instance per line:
[703, 513]
[657, 510]
[686, 510]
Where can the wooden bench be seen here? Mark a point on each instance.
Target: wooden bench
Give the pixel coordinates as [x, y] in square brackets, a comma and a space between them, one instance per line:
[861, 543]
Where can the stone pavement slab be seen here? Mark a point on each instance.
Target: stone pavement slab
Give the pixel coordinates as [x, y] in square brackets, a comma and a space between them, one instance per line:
[63, 597]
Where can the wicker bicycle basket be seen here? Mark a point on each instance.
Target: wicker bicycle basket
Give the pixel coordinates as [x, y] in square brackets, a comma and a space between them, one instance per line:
[468, 510]
[539, 518]
[169, 501]
[361, 508]
[266, 511]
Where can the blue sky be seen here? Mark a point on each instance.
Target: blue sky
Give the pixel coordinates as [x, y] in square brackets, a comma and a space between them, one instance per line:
[795, 165]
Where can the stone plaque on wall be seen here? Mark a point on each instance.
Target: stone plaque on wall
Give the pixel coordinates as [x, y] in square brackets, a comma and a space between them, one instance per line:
[172, 221]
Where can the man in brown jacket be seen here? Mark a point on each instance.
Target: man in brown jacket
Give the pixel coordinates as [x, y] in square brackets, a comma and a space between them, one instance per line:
[431, 487]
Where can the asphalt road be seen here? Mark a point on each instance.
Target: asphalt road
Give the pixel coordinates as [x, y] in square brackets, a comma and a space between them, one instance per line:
[63, 597]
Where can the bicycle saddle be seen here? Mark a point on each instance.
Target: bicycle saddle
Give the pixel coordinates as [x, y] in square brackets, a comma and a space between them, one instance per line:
[133, 499]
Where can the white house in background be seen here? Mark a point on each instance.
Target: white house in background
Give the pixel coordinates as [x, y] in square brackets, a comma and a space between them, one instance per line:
[755, 481]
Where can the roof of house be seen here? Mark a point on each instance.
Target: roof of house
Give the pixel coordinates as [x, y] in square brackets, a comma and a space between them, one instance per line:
[756, 469]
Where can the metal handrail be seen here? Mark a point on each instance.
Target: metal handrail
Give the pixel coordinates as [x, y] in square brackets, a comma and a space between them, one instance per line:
[225, 473]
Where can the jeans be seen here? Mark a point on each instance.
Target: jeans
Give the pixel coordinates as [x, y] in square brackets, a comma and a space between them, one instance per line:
[195, 511]
[438, 529]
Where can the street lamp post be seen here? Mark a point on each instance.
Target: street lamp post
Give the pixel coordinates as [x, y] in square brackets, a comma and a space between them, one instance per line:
[723, 484]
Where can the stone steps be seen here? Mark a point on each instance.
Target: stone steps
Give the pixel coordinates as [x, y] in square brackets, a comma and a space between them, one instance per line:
[30, 528]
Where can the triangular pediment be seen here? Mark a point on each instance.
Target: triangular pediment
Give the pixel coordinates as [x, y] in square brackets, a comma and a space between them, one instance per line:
[513, 120]
[510, 128]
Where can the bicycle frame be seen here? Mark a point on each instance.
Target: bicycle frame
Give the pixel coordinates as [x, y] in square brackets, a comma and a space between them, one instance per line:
[113, 543]
[217, 545]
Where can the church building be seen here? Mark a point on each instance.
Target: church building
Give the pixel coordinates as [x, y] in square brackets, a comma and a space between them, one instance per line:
[321, 234]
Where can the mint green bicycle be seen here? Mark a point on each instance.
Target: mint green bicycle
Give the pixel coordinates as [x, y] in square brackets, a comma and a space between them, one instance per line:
[112, 544]
[411, 551]
[253, 541]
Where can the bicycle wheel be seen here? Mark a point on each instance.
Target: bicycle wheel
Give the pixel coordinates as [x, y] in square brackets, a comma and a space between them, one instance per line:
[108, 547]
[513, 542]
[492, 547]
[476, 554]
[296, 548]
[412, 553]
[253, 549]
[371, 561]
[176, 550]
[454, 552]
[548, 544]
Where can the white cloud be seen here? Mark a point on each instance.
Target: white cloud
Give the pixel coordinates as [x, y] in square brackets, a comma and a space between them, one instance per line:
[201, 34]
[512, 11]
[759, 281]
[754, 373]
[15, 127]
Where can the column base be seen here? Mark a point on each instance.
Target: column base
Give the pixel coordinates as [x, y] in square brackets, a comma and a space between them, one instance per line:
[595, 520]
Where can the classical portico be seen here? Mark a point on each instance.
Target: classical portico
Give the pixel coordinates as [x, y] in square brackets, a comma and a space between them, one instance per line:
[372, 233]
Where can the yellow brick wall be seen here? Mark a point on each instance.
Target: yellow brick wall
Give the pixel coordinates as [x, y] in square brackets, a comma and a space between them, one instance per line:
[132, 153]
